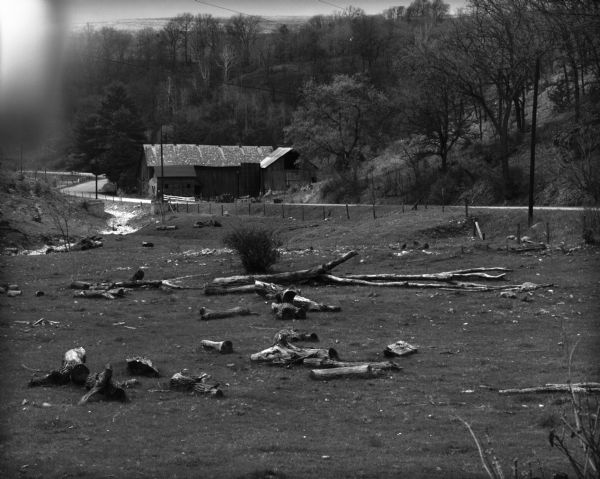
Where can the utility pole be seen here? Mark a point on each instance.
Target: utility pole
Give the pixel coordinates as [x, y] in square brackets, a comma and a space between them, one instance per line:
[162, 167]
[536, 82]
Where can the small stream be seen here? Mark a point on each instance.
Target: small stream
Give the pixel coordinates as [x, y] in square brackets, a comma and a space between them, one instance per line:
[118, 224]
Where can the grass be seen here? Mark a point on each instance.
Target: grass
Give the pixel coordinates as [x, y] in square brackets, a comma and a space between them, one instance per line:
[276, 422]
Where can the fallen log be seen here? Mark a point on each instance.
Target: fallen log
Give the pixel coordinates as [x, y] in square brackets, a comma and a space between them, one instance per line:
[233, 283]
[94, 293]
[223, 347]
[448, 286]
[273, 291]
[443, 276]
[291, 335]
[156, 283]
[87, 243]
[73, 369]
[80, 285]
[326, 363]
[399, 348]
[589, 388]
[140, 366]
[208, 314]
[364, 371]
[101, 387]
[166, 227]
[182, 381]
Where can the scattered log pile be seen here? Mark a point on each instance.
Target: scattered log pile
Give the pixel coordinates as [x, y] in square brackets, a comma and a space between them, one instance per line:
[184, 381]
[270, 285]
[326, 360]
[208, 314]
[139, 366]
[73, 370]
[577, 388]
[113, 290]
[102, 388]
[283, 353]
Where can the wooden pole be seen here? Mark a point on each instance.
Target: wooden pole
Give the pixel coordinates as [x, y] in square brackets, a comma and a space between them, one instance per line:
[533, 128]
[374, 214]
[221, 209]
[547, 233]
[519, 233]
[249, 212]
[282, 211]
[466, 208]
[347, 211]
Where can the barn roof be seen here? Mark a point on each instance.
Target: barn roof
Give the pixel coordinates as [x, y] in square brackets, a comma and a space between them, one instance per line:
[204, 155]
[274, 156]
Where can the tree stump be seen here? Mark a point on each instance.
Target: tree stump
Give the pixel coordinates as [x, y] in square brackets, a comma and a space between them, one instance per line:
[141, 367]
[287, 311]
[399, 348]
[73, 369]
[101, 387]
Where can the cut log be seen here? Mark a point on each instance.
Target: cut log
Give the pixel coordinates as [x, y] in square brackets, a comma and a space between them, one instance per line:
[399, 348]
[332, 363]
[273, 291]
[291, 335]
[140, 366]
[80, 285]
[101, 387]
[208, 314]
[183, 381]
[287, 311]
[73, 369]
[166, 227]
[589, 388]
[157, 283]
[363, 371]
[232, 283]
[223, 347]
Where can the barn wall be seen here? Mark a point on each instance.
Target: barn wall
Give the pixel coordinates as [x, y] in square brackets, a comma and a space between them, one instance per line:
[214, 182]
[179, 186]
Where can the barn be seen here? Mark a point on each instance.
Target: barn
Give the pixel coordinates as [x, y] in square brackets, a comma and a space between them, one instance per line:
[282, 170]
[202, 171]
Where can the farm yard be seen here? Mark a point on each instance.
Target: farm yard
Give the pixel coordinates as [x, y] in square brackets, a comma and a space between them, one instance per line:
[276, 421]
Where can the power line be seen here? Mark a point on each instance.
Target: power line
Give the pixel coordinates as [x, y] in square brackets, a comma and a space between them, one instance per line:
[221, 7]
[329, 3]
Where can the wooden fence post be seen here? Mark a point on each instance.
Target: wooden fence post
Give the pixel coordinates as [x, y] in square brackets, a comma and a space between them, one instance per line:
[282, 211]
[347, 211]
[548, 233]
[374, 214]
[324, 213]
[519, 233]
[466, 208]
[221, 209]
[249, 204]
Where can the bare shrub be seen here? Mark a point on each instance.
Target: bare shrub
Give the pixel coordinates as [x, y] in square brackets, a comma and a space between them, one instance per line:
[256, 247]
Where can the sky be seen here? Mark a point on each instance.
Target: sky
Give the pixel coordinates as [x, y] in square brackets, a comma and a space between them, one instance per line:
[82, 11]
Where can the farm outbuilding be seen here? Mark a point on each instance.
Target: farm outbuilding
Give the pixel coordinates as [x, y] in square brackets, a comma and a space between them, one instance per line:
[281, 169]
[211, 171]
[202, 171]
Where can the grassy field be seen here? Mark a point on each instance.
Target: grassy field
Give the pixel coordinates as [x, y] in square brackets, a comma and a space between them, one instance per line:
[277, 422]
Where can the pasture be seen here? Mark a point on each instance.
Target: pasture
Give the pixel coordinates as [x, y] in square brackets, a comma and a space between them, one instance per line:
[277, 422]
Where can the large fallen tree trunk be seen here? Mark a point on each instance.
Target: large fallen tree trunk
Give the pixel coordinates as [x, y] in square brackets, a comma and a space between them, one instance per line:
[444, 276]
[449, 286]
[326, 363]
[73, 370]
[101, 387]
[208, 314]
[232, 284]
[276, 292]
[556, 388]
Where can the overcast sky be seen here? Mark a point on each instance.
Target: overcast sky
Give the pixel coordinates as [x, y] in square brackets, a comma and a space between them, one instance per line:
[82, 11]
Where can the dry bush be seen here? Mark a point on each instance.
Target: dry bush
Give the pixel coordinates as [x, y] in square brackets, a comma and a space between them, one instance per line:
[256, 247]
